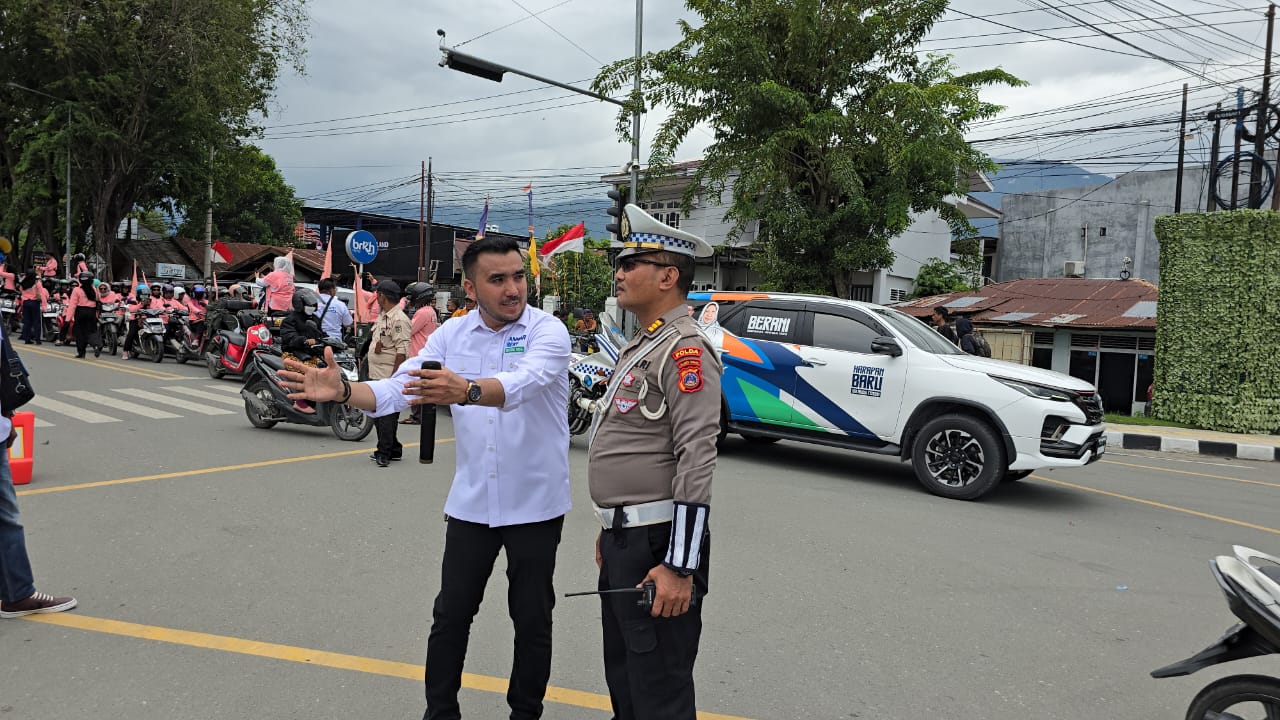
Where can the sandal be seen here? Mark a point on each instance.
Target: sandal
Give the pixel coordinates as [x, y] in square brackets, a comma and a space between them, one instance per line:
[409, 421]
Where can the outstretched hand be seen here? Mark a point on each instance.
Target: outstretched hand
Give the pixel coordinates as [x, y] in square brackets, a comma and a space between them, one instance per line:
[317, 384]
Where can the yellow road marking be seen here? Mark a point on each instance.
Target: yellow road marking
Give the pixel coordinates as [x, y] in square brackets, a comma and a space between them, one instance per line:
[1162, 506]
[206, 471]
[153, 374]
[1192, 472]
[320, 658]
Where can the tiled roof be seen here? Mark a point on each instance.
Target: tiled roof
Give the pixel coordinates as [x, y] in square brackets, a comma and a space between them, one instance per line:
[1048, 302]
[252, 253]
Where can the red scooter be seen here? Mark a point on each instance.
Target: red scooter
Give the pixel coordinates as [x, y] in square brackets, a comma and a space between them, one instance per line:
[229, 351]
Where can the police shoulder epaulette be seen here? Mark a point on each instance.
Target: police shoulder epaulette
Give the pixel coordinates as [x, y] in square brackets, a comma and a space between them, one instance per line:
[655, 325]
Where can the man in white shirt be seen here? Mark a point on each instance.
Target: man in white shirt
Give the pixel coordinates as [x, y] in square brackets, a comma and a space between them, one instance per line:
[335, 316]
[505, 373]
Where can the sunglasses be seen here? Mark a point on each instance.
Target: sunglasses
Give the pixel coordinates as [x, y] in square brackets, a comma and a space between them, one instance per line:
[627, 264]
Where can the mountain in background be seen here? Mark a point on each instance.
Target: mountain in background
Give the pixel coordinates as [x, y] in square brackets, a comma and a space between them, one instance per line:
[1016, 177]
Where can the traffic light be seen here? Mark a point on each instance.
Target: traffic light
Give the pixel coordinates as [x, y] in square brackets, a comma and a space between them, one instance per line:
[619, 203]
[471, 65]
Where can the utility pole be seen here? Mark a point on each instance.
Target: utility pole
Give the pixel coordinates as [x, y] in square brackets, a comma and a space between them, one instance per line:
[208, 226]
[1182, 149]
[635, 116]
[1214, 147]
[1260, 139]
[422, 213]
[431, 201]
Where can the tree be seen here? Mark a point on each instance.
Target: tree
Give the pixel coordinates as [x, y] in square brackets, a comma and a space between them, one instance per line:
[937, 277]
[150, 86]
[252, 203]
[829, 128]
[582, 280]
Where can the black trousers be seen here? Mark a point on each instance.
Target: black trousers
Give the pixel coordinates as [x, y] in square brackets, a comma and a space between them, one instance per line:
[648, 662]
[469, 553]
[32, 320]
[385, 426]
[86, 324]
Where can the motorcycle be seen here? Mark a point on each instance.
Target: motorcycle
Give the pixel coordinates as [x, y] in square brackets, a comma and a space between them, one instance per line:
[110, 320]
[266, 402]
[151, 332]
[52, 320]
[229, 351]
[1250, 580]
[588, 376]
[11, 309]
[180, 340]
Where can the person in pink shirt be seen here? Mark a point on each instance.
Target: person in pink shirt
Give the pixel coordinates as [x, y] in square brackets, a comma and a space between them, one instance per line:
[9, 279]
[50, 267]
[84, 306]
[198, 307]
[35, 299]
[279, 286]
[142, 300]
[369, 308]
[418, 297]
[77, 261]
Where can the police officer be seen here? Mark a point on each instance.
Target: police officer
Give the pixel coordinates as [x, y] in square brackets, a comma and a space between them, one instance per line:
[653, 450]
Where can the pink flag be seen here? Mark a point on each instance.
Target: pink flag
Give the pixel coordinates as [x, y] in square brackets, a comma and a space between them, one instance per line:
[328, 258]
[570, 241]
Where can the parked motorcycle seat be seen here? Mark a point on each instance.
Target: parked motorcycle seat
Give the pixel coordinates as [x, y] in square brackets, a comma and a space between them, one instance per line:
[233, 337]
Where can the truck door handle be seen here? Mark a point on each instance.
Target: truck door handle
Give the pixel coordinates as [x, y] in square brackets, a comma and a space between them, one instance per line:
[815, 361]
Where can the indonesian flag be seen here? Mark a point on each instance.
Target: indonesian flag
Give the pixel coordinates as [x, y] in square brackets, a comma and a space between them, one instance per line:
[570, 241]
[221, 253]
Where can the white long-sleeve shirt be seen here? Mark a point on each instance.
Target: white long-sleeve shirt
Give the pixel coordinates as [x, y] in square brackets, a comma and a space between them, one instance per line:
[513, 461]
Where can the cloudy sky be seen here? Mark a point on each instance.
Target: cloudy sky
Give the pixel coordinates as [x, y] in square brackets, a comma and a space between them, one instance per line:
[373, 102]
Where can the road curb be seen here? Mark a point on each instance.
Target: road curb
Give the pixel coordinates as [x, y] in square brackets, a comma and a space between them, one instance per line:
[1192, 446]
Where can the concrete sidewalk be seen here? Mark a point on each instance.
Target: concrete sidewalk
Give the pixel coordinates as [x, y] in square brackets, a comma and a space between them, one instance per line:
[1188, 440]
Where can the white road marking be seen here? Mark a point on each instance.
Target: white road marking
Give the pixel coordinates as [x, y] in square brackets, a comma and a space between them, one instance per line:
[172, 401]
[70, 410]
[211, 397]
[226, 387]
[44, 423]
[125, 405]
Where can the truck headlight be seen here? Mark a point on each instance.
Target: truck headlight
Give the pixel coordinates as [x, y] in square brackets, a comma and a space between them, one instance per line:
[1044, 392]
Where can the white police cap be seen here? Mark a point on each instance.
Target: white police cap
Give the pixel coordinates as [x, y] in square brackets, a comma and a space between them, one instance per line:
[642, 233]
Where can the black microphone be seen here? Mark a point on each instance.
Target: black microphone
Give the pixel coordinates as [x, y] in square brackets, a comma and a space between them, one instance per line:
[427, 428]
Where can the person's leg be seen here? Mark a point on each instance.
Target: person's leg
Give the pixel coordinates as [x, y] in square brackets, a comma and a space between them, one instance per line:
[385, 426]
[82, 329]
[531, 563]
[30, 320]
[16, 580]
[469, 552]
[648, 661]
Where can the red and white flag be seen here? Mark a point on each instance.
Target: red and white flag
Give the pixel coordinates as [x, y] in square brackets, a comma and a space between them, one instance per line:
[570, 241]
[221, 253]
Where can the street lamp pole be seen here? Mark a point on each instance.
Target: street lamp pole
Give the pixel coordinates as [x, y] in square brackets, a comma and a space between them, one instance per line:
[67, 237]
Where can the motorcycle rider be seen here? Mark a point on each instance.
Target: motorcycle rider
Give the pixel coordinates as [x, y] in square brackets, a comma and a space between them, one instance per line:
[8, 277]
[142, 300]
[83, 307]
[198, 307]
[67, 319]
[301, 333]
[35, 299]
[77, 261]
[49, 268]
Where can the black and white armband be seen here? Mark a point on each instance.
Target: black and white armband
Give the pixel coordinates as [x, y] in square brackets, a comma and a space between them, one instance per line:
[688, 526]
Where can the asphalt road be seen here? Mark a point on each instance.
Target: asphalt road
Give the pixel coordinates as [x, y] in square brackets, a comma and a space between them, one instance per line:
[229, 572]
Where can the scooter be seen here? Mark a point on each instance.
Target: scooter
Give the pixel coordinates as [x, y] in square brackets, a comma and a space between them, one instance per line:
[229, 351]
[10, 309]
[266, 401]
[1250, 580]
[52, 320]
[180, 340]
[151, 332]
[110, 320]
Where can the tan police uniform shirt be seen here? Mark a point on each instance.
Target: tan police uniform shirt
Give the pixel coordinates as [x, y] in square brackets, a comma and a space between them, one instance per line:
[635, 459]
[394, 331]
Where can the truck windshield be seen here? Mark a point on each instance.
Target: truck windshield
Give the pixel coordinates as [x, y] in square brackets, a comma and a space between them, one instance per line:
[920, 335]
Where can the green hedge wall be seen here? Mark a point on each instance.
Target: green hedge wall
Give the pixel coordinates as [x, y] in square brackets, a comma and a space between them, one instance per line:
[1218, 324]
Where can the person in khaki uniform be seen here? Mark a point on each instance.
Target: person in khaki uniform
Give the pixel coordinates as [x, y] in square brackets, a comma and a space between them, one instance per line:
[389, 347]
[652, 453]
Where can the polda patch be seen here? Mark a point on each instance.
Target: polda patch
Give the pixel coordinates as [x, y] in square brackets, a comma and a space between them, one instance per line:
[691, 378]
[686, 353]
